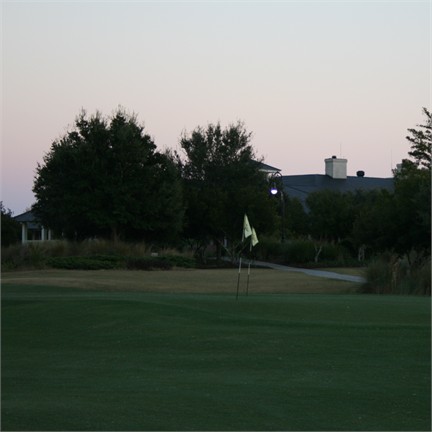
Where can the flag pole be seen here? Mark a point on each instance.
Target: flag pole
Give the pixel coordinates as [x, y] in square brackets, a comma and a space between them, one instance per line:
[238, 279]
[240, 260]
[250, 251]
[253, 241]
[247, 232]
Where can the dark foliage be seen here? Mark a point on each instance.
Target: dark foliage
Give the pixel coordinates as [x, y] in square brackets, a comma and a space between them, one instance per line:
[10, 229]
[105, 178]
[83, 263]
[222, 183]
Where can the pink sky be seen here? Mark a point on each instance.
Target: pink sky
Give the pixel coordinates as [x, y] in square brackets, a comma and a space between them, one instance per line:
[309, 79]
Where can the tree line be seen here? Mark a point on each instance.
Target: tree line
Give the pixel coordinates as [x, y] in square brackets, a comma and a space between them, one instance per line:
[376, 220]
[106, 178]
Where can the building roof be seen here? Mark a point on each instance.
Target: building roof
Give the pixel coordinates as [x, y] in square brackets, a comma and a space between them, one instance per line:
[267, 168]
[29, 218]
[300, 186]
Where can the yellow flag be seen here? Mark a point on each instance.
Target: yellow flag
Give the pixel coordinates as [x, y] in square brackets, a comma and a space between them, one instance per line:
[247, 232]
[254, 239]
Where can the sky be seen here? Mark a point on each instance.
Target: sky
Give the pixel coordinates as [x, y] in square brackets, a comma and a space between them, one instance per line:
[309, 79]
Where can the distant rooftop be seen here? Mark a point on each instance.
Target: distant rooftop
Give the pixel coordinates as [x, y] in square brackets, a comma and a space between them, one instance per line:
[300, 186]
[267, 168]
[29, 218]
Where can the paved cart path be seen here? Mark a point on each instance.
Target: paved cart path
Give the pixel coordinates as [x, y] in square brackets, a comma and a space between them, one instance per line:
[318, 273]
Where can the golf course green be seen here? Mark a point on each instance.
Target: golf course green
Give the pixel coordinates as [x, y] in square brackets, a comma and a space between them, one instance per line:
[77, 359]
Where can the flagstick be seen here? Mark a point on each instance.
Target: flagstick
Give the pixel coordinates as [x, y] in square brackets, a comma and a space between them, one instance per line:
[247, 232]
[238, 279]
[247, 285]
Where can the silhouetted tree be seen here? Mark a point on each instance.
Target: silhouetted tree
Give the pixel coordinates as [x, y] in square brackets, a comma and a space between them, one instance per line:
[421, 143]
[221, 183]
[106, 178]
[331, 214]
[413, 191]
[10, 228]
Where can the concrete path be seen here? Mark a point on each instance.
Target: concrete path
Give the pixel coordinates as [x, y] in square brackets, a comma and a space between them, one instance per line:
[317, 273]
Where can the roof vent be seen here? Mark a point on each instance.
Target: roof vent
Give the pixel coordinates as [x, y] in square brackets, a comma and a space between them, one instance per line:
[360, 173]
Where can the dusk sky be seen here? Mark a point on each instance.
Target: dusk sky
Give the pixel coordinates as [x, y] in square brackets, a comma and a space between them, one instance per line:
[310, 79]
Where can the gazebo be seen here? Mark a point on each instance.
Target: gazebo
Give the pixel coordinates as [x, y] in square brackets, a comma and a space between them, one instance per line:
[31, 229]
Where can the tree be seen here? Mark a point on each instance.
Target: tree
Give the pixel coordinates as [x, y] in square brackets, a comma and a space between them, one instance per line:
[104, 178]
[331, 214]
[421, 143]
[10, 228]
[376, 225]
[401, 221]
[295, 216]
[221, 183]
[413, 191]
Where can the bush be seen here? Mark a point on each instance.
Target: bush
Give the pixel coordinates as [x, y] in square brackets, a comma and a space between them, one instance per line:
[304, 252]
[180, 261]
[391, 274]
[299, 252]
[148, 263]
[92, 247]
[269, 249]
[89, 255]
[378, 277]
[423, 277]
[19, 256]
[84, 263]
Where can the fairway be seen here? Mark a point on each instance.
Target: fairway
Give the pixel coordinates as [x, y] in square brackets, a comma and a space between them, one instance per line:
[75, 359]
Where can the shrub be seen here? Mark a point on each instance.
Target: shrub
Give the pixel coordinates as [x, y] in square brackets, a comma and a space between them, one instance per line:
[423, 276]
[148, 263]
[269, 249]
[92, 247]
[84, 263]
[180, 261]
[299, 252]
[391, 274]
[304, 252]
[378, 277]
[89, 254]
[19, 256]
[9, 257]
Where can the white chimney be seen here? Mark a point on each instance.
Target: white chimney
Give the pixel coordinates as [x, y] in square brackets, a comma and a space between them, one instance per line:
[336, 168]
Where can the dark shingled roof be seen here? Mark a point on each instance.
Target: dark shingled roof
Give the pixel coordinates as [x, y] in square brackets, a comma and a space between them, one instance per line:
[266, 168]
[300, 186]
[29, 218]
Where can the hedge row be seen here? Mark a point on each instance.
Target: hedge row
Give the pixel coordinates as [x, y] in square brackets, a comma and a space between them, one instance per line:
[304, 252]
[106, 262]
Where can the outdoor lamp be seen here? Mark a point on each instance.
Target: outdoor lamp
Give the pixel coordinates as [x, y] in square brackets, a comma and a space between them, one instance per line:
[275, 179]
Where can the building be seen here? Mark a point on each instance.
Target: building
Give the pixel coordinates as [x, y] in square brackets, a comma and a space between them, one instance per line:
[267, 169]
[334, 178]
[31, 229]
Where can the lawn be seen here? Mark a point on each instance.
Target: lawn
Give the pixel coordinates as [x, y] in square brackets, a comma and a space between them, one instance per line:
[262, 281]
[75, 359]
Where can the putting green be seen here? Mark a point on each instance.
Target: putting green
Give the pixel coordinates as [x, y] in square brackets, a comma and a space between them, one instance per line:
[77, 359]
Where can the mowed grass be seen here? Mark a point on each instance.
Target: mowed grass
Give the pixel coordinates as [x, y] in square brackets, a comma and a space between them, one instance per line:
[261, 281]
[77, 359]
